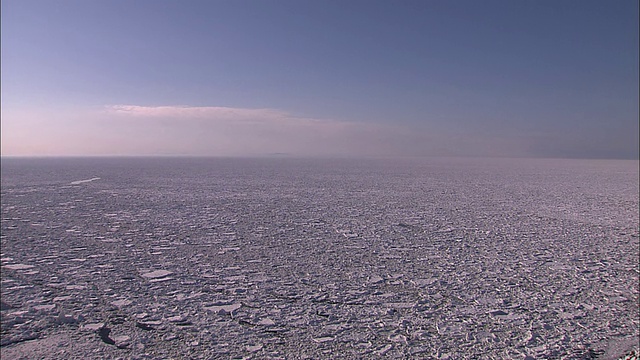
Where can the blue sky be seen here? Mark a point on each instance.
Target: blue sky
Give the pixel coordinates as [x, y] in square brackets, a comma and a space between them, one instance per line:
[320, 78]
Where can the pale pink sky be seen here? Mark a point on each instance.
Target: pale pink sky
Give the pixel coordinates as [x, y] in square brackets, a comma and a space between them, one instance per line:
[226, 131]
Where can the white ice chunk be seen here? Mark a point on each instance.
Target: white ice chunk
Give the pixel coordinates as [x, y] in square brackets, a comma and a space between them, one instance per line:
[93, 326]
[157, 274]
[254, 348]
[78, 182]
[122, 302]
[266, 322]
[224, 309]
[18, 266]
[323, 339]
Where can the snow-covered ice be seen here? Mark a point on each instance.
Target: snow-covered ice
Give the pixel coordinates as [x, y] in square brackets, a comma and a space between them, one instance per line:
[344, 259]
[78, 182]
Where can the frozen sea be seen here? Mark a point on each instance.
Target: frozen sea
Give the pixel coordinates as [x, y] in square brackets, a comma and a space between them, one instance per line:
[283, 258]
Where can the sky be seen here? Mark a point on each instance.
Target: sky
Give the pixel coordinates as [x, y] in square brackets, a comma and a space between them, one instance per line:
[341, 78]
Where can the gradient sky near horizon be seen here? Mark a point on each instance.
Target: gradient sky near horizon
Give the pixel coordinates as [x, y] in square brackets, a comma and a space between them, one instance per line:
[320, 78]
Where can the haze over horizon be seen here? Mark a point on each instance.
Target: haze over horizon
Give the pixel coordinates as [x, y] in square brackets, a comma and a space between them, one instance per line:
[320, 78]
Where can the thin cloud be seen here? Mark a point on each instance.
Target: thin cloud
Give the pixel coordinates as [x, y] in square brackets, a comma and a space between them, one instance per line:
[228, 131]
[208, 112]
[272, 117]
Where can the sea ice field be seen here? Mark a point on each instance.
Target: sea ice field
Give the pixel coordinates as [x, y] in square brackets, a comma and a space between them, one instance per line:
[284, 258]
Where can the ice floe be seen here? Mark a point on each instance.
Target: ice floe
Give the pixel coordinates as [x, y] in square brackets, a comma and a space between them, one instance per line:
[78, 182]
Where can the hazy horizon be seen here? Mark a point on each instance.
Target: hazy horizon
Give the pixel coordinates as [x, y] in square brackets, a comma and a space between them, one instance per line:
[309, 157]
[320, 79]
